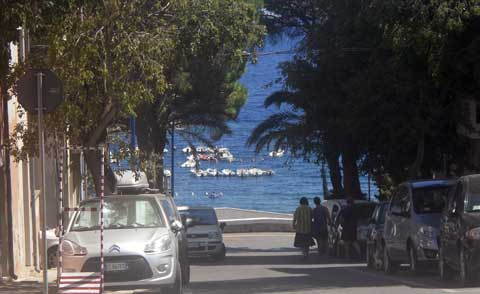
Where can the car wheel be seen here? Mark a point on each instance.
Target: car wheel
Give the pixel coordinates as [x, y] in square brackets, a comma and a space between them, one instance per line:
[370, 257]
[415, 266]
[52, 257]
[177, 288]
[465, 273]
[445, 271]
[221, 256]
[389, 266]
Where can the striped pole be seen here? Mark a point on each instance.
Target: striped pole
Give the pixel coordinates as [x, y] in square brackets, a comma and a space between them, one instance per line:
[102, 203]
[60, 215]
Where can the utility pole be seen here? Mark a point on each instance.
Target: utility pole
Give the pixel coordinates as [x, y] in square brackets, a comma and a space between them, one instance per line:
[41, 144]
[172, 179]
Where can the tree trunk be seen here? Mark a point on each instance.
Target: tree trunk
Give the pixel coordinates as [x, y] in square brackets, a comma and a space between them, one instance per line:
[94, 166]
[160, 162]
[351, 182]
[326, 193]
[414, 171]
[333, 161]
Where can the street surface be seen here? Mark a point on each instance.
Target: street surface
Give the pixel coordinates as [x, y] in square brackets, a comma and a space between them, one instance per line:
[266, 263]
[259, 263]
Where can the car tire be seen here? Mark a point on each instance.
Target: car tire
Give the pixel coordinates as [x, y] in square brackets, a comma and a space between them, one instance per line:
[177, 288]
[389, 266]
[444, 270]
[52, 257]
[466, 276]
[221, 256]
[415, 265]
[370, 257]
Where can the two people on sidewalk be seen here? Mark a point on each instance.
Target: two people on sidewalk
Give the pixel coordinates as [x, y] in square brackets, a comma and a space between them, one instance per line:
[311, 224]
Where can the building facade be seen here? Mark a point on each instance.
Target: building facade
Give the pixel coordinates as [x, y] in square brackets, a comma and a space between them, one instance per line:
[20, 196]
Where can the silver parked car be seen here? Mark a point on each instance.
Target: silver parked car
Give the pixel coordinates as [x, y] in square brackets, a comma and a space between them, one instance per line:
[145, 244]
[205, 233]
[412, 224]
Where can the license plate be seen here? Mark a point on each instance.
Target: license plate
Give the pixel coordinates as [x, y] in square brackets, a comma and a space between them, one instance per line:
[197, 245]
[116, 267]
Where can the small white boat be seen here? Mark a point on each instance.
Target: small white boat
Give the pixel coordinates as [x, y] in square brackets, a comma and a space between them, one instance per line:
[213, 195]
[198, 172]
[167, 173]
[187, 150]
[189, 163]
[227, 173]
[278, 153]
[212, 172]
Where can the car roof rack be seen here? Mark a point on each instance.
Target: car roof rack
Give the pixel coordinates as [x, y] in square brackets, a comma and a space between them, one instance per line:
[150, 191]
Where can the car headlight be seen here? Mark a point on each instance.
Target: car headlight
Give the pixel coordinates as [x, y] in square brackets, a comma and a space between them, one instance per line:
[428, 232]
[159, 245]
[213, 235]
[70, 248]
[474, 234]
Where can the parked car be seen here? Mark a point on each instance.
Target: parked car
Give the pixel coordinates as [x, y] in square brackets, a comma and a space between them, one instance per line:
[205, 234]
[145, 243]
[363, 210]
[412, 224]
[374, 250]
[52, 248]
[459, 241]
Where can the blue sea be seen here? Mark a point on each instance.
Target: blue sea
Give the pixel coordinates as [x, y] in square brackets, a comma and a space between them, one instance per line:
[293, 178]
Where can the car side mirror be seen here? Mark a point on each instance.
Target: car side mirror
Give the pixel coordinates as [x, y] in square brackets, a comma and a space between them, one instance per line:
[189, 223]
[454, 213]
[223, 225]
[57, 231]
[176, 226]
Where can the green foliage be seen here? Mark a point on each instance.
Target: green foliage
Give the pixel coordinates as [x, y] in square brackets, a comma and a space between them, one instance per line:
[381, 79]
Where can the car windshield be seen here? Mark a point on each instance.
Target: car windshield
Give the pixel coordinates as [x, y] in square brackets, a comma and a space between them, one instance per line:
[472, 199]
[119, 213]
[429, 199]
[364, 211]
[201, 216]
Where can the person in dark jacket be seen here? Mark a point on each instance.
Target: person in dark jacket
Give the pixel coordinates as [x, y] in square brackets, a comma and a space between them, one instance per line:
[302, 223]
[321, 222]
[349, 221]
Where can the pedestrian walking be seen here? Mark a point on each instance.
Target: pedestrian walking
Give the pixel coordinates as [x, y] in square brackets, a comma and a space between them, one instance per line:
[349, 222]
[302, 223]
[321, 222]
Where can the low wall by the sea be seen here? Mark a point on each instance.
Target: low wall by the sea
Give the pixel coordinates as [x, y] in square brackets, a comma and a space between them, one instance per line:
[246, 221]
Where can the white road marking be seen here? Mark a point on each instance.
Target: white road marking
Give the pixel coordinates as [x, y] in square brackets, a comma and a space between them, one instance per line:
[472, 290]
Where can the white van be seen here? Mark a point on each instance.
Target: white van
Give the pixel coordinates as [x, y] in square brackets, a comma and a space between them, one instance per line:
[204, 234]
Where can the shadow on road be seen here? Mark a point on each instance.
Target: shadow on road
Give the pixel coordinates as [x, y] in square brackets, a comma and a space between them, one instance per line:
[286, 259]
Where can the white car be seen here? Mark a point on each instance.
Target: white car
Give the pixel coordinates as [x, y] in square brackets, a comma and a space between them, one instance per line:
[145, 243]
[205, 233]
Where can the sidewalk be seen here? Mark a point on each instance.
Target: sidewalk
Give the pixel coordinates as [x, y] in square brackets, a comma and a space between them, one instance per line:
[31, 285]
[246, 221]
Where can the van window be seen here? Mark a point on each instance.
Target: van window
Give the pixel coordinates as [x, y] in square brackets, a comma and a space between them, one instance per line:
[201, 216]
[430, 199]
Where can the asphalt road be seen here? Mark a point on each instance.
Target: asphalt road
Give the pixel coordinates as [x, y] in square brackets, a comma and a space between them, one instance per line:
[259, 263]
[266, 263]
